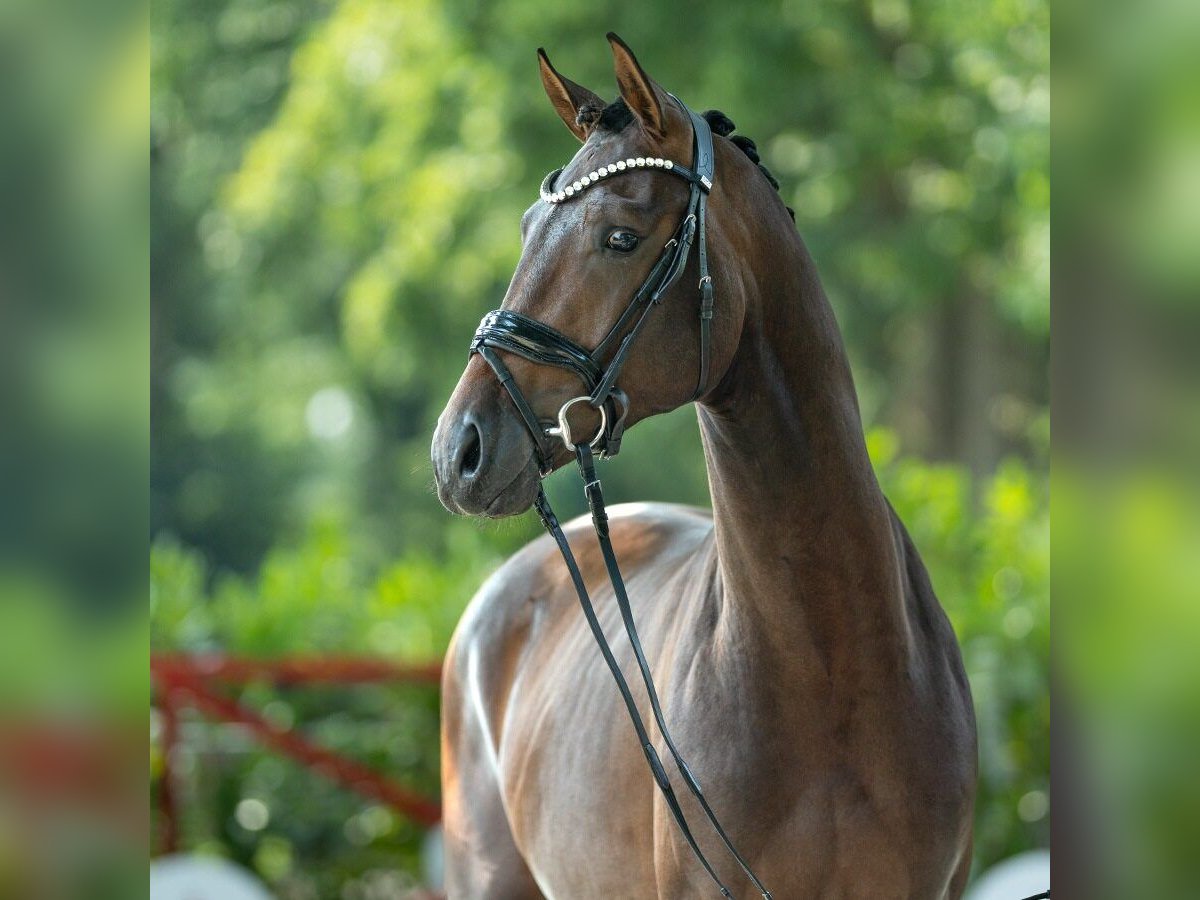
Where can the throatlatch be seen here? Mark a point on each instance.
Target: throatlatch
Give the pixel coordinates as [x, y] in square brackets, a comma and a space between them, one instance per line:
[507, 331]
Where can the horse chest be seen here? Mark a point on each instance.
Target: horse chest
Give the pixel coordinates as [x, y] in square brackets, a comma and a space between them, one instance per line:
[807, 787]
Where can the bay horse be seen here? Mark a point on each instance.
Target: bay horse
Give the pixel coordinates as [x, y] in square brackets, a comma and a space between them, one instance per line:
[804, 664]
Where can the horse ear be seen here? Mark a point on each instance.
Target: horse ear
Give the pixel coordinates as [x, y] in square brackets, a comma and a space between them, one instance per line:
[640, 94]
[578, 107]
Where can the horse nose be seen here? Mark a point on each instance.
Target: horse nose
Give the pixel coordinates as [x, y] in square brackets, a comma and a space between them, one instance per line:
[482, 462]
[468, 450]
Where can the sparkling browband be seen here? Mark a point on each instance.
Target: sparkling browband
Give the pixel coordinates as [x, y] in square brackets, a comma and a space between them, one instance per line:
[586, 181]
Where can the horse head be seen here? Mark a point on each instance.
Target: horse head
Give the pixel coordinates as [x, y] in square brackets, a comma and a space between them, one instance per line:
[602, 229]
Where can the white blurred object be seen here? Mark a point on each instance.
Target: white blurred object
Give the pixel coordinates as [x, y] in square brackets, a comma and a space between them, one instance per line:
[1015, 878]
[433, 857]
[187, 876]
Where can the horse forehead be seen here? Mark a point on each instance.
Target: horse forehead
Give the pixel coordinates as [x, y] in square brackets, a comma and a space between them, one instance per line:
[547, 232]
[552, 227]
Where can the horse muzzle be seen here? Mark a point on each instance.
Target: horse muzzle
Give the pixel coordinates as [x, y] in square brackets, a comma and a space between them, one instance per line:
[483, 461]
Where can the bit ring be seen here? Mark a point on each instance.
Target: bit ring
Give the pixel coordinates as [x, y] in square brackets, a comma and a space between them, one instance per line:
[564, 427]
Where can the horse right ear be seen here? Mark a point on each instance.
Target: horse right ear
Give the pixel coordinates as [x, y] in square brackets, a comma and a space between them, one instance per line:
[578, 107]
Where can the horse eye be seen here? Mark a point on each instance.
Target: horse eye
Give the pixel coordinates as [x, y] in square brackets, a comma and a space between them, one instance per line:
[622, 241]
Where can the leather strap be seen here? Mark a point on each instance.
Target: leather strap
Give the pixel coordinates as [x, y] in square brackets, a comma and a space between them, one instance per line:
[705, 160]
[504, 329]
[551, 524]
[536, 341]
[505, 377]
[706, 305]
[661, 277]
[705, 163]
[595, 497]
[639, 298]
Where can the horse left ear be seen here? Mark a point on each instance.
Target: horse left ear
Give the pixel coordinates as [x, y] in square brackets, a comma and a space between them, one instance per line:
[643, 97]
[578, 107]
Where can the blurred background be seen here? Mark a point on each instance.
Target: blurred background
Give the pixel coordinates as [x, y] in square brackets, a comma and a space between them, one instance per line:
[336, 191]
[74, 418]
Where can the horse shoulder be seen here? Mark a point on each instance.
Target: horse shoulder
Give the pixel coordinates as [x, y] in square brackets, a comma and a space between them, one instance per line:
[482, 857]
[531, 594]
[485, 650]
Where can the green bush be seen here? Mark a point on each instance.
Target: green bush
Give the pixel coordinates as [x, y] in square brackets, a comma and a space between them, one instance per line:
[315, 838]
[987, 548]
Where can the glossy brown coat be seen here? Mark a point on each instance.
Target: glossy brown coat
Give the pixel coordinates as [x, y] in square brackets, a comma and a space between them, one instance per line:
[809, 674]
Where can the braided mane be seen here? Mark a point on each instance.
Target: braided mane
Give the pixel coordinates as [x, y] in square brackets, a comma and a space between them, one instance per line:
[721, 124]
[614, 117]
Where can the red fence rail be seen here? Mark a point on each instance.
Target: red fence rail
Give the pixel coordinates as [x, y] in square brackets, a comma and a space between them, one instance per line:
[202, 683]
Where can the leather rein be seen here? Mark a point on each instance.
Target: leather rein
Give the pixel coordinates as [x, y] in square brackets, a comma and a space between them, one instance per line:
[507, 331]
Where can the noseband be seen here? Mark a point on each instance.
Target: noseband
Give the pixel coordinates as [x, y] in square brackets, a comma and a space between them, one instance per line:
[512, 332]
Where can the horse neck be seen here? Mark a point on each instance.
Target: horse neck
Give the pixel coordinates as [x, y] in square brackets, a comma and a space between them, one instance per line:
[809, 556]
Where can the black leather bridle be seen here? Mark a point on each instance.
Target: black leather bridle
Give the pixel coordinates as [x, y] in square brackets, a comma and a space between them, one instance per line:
[512, 332]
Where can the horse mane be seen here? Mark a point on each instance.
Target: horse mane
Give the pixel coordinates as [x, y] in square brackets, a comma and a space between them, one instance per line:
[617, 115]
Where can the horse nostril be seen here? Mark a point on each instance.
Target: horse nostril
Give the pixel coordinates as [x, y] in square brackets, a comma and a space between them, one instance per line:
[471, 452]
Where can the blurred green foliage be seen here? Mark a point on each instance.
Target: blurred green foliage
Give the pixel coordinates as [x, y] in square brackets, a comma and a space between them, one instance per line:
[74, 383]
[1126, 491]
[312, 838]
[73, 304]
[336, 195]
[1127, 546]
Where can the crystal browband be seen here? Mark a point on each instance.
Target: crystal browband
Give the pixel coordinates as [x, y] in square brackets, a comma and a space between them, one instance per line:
[586, 181]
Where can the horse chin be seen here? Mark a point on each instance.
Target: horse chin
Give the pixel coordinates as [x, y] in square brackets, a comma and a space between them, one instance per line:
[515, 499]
[515, 495]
